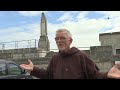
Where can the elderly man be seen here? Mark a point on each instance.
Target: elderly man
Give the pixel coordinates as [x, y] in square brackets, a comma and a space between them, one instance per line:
[70, 63]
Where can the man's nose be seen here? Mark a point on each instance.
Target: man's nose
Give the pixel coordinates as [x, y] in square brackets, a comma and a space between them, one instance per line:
[59, 40]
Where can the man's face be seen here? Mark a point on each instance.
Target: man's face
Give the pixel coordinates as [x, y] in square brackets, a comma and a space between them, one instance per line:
[63, 41]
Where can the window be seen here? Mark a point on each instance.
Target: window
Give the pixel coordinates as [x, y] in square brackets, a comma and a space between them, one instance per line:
[3, 69]
[117, 51]
[14, 69]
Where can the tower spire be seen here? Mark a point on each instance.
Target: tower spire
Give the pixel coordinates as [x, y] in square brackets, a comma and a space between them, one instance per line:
[43, 25]
[43, 43]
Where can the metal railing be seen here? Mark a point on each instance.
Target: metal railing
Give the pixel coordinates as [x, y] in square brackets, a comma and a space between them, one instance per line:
[33, 43]
[19, 44]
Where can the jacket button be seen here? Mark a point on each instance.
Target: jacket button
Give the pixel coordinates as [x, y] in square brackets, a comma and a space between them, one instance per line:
[66, 69]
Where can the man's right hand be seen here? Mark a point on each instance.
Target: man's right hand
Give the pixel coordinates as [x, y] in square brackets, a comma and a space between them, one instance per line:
[28, 67]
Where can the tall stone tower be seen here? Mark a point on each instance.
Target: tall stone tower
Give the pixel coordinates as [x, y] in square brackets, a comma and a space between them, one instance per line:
[43, 44]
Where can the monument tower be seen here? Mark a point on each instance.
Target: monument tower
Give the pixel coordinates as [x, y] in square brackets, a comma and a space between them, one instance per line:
[43, 43]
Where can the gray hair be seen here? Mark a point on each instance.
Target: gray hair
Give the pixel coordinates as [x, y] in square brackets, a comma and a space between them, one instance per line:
[67, 32]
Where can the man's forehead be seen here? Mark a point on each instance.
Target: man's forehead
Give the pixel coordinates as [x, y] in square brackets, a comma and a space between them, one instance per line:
[61, 34]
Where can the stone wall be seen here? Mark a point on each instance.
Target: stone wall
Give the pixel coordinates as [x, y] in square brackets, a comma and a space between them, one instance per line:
[109, 38]
[21, 50]
[101, 55]
[23, 53]
[112, 39]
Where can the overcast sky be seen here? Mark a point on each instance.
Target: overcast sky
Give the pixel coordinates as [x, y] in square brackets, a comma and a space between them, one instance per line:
[85, 26]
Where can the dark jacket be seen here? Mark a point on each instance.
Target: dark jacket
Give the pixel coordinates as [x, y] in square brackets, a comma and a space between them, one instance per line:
[71, 65]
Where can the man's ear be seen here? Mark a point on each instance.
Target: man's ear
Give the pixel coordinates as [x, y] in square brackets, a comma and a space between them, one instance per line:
[71, 40]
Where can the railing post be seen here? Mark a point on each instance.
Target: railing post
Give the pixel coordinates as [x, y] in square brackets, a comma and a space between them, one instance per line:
[3, 47]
